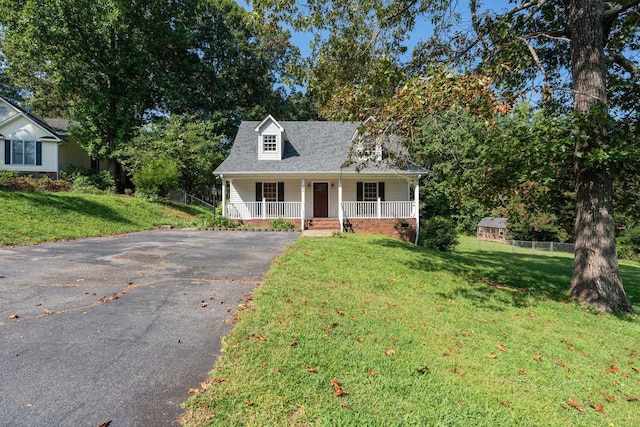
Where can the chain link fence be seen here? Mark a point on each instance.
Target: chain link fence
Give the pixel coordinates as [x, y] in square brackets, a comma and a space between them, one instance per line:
[181, 196]
[543, 246]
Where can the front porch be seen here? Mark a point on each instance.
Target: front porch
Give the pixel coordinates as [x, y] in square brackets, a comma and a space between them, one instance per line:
[370, 204]
[293, 210]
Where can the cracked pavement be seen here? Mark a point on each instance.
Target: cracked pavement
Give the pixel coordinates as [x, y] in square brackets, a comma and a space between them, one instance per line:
[118, 329]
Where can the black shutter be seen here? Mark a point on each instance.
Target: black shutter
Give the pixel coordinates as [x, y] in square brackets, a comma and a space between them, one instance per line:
[381, 190]
[7, 152]
[39, 153]
[281, 191]
[258, 191]
[359, 191]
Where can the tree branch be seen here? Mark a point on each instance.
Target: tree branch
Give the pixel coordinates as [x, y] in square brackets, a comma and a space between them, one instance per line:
[625, 63]
[535, 57]
[616, 9]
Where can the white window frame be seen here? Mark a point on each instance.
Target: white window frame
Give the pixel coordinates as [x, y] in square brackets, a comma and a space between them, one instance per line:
[269, 143]
[26, 139]
[372, 193]
[270, 191]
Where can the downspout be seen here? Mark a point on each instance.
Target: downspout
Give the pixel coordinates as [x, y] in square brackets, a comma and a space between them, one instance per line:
[416, 197]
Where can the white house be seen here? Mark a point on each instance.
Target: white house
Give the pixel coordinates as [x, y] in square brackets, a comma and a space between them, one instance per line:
[36, 146]
[295, 170]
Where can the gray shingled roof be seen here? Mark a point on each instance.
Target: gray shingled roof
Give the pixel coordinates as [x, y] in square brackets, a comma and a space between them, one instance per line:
[312, 147]
[493, 222]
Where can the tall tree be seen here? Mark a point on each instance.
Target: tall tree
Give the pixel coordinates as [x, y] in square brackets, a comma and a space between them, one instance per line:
[112, 65]
[547, 44]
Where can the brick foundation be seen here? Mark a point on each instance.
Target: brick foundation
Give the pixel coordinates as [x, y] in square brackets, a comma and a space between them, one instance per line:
[403, 229]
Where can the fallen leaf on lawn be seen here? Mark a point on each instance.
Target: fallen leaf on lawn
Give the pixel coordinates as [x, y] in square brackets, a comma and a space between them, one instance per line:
[260, 337]
[389, 352]
[312, 369]
[294, 343]
[340, 392]
[492, 356]
[611, 399]
[334, 383]
[423, 370]
[249, 403]
[220, 380]
[345, 405]
[613, 369]
[559, 363]
[598, 408]
[503, 403]
[575, 404]
[193, 390]
[371, 372]
[522, 372]
[502, 348]
[439, 309]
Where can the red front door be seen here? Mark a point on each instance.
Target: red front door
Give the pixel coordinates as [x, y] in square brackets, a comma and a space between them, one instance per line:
[320, 199]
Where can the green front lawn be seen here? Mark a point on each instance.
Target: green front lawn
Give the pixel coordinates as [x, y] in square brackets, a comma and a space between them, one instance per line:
[367, 330]
[27, 218]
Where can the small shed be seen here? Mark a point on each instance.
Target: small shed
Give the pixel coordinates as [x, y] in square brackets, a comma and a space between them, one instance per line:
[492, 229]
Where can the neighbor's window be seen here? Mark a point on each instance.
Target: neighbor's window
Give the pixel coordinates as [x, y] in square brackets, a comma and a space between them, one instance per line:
[501, 231]
[270, 191]
[269, 143]
[23, 148]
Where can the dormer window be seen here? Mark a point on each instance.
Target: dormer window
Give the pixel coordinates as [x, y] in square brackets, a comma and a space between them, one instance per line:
[269, 143]
[270, 139]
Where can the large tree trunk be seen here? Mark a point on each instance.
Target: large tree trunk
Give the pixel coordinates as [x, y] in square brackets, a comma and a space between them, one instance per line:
[596, 279]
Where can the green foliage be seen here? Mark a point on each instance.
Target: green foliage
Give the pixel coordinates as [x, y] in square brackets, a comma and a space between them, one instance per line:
[628, 244]
[418, 337]
[438, 233]
[281, 224]
[196, 146]
[157, 176]
[215, 220]
[111, 67]
[86, 180]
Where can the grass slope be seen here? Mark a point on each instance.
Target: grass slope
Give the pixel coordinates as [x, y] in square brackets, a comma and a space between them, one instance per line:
[28, 218]
[367, 330]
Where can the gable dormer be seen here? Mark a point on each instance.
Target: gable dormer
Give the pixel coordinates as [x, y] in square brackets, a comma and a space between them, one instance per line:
[368, 148]
[271, 138]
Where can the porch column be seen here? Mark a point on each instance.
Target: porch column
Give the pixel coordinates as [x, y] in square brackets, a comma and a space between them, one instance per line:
[302, 204]
[340, 210]
[224, 196]
[416, 196]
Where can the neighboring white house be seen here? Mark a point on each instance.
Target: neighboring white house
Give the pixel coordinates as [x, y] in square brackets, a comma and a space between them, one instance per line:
[294, 170]
[34, 145]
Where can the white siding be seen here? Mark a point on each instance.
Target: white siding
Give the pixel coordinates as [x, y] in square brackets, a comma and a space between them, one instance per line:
[49, 147]
[243, 190]
[270, 128]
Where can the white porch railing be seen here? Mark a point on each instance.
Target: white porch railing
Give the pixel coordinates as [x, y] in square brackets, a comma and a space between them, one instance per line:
[290, 210]
[379, 209]
[263, 210]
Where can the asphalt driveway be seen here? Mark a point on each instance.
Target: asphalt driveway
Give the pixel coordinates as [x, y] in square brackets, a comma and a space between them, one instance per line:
[118, 329]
